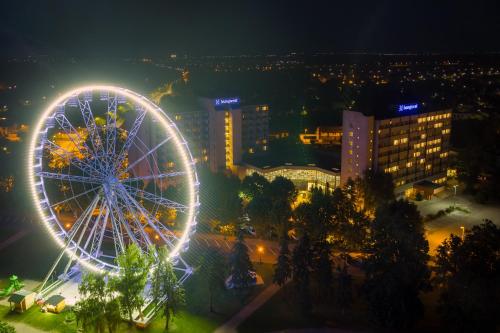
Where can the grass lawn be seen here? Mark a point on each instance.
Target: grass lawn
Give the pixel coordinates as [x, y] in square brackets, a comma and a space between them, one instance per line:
[35, 318]
[195, 318]
[185, 322]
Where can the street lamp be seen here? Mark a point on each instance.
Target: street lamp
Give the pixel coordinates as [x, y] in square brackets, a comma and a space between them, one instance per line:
[260, 249]
[455, 196]
[463, 232]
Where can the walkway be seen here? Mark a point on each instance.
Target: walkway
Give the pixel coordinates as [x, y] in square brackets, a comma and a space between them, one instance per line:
[231, 325]
[23, 328]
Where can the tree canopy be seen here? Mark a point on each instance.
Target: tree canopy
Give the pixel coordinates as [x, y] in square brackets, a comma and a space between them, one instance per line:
[396, 268]
[468, 276]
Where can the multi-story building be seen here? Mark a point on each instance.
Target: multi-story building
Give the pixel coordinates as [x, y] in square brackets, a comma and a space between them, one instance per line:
[409, 141]
[219, 130]
[304, 177]
[255, 128]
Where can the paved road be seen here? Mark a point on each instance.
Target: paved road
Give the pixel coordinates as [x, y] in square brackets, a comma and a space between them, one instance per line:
[268, 253]
[231, 325]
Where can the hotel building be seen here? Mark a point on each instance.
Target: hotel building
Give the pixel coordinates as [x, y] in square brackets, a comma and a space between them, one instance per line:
[219, 130]
[409, 141]
[255, 128]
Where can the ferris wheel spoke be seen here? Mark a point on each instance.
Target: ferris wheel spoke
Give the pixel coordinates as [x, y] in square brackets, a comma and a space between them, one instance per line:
[75, 196]
[156, 199]
[80, 164]
[146, 154]
[134, 232]
[71, 178]
[111, 125]
[155, 177]
[80, 220]
[141, 113]
[130, 207]
[118, 241]
[82, 233]
[89, 120]
[122, 221]
[94, 231]
[157, 226]
[96, 248]
[70, 132]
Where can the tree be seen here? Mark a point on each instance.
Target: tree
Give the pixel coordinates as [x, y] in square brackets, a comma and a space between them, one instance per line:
[282, 269]
[240, 264]
[131, 279]
[113, 314]
[219, 196]
[301, 261]
[269, 203]
[396, 269]
[377, 189]
[316, 217]
[350, 224]
[165, 287]
[90, 309]
[6, 328]
[322, 267]
[212, 269]
[343, 289]
[468, 276]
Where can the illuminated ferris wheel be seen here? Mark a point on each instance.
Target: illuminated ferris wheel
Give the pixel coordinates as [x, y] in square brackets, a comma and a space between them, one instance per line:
[109, 168]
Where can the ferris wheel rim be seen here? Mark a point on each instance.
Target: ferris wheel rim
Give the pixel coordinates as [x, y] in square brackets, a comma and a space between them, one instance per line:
[179, 142]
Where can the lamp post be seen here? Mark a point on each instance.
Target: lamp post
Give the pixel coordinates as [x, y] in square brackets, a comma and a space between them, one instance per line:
[260, 249]
[463, 232]
[455, 196]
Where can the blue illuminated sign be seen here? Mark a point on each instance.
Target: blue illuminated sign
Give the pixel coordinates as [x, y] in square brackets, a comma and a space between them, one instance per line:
[227, 101]
[407, 107]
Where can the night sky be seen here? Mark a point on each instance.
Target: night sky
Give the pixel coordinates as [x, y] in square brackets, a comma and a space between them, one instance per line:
[142, 28]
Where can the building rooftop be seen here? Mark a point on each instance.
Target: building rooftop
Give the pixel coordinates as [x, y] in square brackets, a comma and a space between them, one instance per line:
[19, 295]
[54, 300]
[389, 102]
[297, 155]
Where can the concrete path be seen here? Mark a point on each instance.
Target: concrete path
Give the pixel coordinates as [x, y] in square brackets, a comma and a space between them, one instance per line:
[23, 328]
[231, 325]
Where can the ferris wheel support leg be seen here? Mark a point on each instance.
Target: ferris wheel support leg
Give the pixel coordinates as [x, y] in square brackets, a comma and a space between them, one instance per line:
[49, 274]
[72, 234]
[72, 257]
